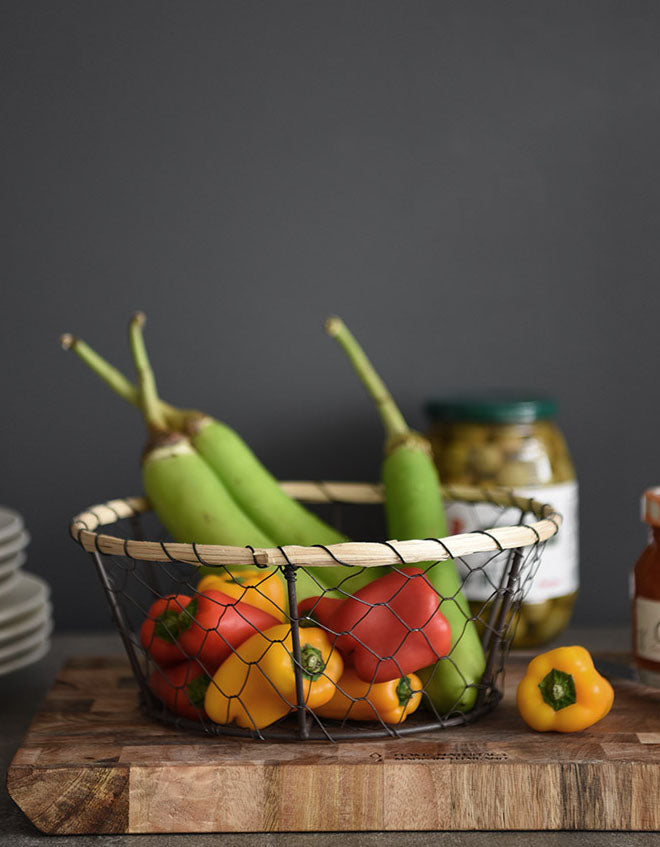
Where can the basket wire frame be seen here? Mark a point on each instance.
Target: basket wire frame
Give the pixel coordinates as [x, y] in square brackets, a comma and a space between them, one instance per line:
[131, 585]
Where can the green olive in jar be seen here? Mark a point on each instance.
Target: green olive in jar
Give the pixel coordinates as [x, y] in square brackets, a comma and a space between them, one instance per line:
[512, 442]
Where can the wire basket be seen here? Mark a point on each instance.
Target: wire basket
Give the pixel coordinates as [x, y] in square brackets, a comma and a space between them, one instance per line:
[152, 588]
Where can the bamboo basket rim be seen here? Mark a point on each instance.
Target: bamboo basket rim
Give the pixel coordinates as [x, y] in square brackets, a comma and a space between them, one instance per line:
[355, 553]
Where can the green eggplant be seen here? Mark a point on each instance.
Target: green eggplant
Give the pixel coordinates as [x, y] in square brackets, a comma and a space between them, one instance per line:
[186, 495]
[251, 486]
[414, 509]
[254, 488]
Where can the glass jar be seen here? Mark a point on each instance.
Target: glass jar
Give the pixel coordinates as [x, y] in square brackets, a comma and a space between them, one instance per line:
[646, 595]
[512, 442]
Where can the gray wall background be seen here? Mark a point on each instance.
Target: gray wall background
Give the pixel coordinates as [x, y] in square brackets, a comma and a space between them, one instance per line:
[473, 186]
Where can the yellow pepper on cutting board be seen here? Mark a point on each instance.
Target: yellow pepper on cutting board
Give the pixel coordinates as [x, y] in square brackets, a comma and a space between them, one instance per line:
[356, 700]
[256, 685]
[261, 588]
[563, 691]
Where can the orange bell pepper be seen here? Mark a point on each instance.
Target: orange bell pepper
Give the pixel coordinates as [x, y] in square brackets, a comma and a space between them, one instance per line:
[256, 685]
[563, 691]
[356, 700]
[258, 587]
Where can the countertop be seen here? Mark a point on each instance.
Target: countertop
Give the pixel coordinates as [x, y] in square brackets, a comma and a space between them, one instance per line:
[22, 692]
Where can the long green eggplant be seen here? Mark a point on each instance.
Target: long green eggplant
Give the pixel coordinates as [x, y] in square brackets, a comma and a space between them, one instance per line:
[414, 509]
[251, 485]
[187, 496]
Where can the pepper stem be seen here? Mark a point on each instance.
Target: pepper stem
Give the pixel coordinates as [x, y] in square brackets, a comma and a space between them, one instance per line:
[196, 690]
[170, 624]
[403, 691]
[393, 421]
[311, 660]
[558, 689]
[167, 626]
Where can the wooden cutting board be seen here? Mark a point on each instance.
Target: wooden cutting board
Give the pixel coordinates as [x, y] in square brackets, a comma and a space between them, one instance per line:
[92, 763]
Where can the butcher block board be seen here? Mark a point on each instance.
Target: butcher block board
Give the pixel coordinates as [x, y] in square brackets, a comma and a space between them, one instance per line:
[92, 763]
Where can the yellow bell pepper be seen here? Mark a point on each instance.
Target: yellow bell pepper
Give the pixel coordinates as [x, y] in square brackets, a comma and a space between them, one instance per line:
[256, 685]
[258, 587]
[563, 691]
[390, 701]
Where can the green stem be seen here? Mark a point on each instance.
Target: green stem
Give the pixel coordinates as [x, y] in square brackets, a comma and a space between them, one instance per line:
[116, 380]
[171, 623]
[393, 421]
[403, 691]
[149, 403]
[311, 660]
[196, 690]
[558, 689]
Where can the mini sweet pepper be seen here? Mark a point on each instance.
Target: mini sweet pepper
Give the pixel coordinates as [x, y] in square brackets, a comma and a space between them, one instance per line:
[261, 588]
[181, 688]
[256, 685]
[217, 624]
[391, 702]
[563, 691]
[160, 630]
[392, 627]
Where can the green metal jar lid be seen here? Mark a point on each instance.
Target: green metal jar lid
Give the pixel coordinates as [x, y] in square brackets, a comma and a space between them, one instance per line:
[491, 408]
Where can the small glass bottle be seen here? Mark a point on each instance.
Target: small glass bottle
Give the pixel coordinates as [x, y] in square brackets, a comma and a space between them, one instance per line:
[646, 595]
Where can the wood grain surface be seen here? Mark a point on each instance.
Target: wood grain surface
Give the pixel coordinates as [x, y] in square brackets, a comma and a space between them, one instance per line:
[92, 763]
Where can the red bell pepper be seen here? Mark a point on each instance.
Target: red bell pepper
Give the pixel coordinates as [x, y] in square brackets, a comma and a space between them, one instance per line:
[219, 624]
[313, 610]
[160, 630]
[182, 688]
[392, 626]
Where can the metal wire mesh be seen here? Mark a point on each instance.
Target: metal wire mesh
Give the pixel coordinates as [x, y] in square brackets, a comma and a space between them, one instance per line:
[282, 668]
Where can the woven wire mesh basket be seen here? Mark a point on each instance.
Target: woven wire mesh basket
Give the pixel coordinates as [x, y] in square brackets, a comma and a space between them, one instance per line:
[156, 600]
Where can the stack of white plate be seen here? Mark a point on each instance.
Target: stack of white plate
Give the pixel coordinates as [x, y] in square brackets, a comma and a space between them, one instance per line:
[25, 614]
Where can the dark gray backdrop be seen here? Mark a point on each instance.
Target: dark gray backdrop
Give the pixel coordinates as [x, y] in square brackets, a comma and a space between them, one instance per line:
[473, 186]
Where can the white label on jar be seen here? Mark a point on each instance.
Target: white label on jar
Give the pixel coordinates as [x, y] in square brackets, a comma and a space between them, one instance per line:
[647, 613]
[557, 573]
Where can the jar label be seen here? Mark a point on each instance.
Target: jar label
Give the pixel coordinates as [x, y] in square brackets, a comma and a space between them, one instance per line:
[557, 573]
[647, 613]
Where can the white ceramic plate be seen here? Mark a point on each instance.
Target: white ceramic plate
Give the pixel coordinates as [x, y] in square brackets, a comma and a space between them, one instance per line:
[11, 523]
[25, 624]
[30, 593]
[23, 645]
[28, 658]
[14, 545]
[8, 583]
[8, 566]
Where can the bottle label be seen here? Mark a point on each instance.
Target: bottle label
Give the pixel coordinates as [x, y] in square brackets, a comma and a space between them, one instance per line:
[556, 575]
[647, 613]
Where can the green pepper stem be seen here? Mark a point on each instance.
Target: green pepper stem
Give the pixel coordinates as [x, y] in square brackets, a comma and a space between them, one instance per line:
[311, 660]
[196, 690]
[170, 624]
[393, 421]
[403, 691]
[558, 689]
[116, 380]
[166, 626]
[187, 615]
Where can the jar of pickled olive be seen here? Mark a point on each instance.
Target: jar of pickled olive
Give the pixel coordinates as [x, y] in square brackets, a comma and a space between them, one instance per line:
[646, 595]
[512, 442]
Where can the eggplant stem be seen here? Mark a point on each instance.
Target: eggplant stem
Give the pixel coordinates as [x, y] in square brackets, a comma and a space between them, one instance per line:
[148, 394]
[116, 380]
[393, 421]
